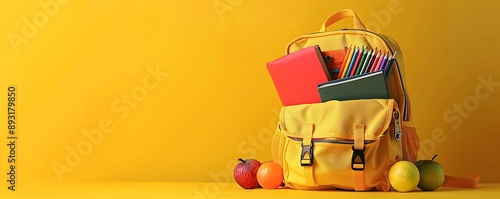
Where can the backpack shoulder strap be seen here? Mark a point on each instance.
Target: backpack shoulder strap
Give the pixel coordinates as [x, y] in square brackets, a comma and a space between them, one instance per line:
[453, 181]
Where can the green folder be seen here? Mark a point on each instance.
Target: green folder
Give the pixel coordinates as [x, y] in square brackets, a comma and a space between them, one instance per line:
[366, 86]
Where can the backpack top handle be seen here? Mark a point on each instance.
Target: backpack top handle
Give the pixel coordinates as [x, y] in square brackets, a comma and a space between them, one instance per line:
[342, 14]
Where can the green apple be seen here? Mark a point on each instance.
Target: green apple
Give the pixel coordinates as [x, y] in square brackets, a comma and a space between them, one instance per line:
[431, 174]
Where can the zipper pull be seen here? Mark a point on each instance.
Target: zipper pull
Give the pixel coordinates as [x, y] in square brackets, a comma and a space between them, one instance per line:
[397, 125]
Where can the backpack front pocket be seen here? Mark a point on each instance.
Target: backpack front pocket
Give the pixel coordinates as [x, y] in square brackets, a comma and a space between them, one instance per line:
[338, 144]
[331, 165]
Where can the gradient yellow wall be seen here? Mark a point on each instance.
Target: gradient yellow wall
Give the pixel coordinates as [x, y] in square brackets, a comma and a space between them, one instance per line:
[178, 90]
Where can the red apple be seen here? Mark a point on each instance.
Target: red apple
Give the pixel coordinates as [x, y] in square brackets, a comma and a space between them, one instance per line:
[245, 173]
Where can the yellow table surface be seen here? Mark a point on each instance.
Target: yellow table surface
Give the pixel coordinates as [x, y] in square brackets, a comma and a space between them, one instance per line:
[210, 190]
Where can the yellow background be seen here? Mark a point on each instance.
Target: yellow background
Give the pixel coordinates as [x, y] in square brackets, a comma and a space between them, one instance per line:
[217, 102]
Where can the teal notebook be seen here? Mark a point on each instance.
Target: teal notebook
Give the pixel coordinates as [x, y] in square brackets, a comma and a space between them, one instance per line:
[365, 86]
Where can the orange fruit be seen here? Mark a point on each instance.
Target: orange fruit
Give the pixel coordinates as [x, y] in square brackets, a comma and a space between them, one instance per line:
[270, 175]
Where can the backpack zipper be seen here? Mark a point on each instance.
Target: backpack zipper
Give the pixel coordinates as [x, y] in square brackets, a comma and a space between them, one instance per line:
[397, 133]
[397, 125]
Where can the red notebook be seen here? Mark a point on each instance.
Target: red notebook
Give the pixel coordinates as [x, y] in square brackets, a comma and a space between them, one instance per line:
[296, 76]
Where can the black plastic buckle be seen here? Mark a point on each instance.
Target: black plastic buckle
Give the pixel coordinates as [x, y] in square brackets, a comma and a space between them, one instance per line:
[358, 153]
[308, 149]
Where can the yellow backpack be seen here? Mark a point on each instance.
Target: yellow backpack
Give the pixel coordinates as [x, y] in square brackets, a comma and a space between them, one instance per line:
[346, 144]
[349, 144]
